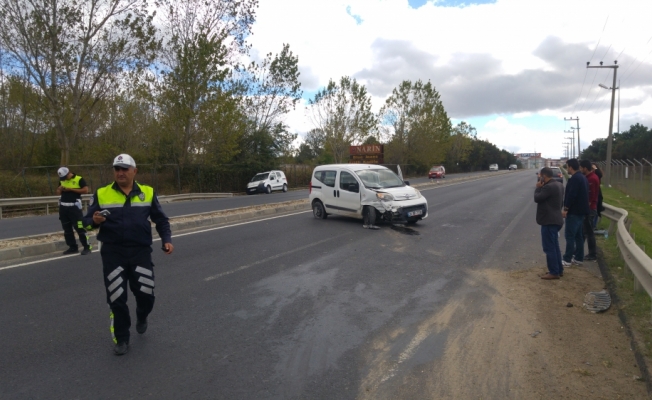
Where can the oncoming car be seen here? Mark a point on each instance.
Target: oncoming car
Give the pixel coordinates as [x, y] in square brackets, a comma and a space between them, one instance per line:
[365, 191]
[437, 172]
[266, 182]
[513, 167]
[493, 167]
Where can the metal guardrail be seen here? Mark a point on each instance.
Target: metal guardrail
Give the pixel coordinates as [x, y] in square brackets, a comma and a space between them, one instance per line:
[53, 200]
[637, 261]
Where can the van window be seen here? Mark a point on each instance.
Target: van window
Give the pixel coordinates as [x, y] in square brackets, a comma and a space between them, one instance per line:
[348, 182]
[379, 178]
[326, 177]
[259, 177]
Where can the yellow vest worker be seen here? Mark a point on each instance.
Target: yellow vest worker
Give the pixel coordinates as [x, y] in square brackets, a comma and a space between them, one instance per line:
[70, 214]
[123, 211]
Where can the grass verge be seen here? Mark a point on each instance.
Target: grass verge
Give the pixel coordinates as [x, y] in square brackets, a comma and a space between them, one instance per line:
[636, 305]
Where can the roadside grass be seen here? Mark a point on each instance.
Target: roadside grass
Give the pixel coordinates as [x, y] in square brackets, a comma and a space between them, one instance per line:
[637, 306]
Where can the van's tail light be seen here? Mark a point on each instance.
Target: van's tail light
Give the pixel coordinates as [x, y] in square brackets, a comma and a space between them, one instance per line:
[310, 187]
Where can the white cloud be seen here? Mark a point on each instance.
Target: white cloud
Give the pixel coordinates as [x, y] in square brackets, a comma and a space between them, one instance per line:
[514, 58]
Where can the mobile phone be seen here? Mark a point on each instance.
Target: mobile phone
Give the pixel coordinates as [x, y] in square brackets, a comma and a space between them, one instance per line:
[105, 213]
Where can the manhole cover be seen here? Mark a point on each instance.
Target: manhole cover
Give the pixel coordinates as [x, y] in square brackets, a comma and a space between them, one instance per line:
[597, 301]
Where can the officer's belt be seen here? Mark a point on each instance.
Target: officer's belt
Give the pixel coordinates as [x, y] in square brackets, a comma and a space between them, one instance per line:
[68, 204]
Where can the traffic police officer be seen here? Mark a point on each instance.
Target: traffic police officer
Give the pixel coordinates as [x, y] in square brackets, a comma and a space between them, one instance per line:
[70, 189]
[123, 210]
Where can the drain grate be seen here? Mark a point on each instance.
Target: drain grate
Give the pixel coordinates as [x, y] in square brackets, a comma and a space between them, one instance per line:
[597, 301]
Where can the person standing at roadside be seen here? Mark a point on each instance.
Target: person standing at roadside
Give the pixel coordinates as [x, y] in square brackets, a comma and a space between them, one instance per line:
[589, 221]
[549, 197]
[576, 208]
[71, 187]
[598, 172]
[123, 210]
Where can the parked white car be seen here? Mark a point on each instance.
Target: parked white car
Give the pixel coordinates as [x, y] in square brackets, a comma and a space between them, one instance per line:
[493, 167]
[266, 182]
[363, 190]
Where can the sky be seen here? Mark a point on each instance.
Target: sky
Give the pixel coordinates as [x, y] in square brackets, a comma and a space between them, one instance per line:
[514, 69]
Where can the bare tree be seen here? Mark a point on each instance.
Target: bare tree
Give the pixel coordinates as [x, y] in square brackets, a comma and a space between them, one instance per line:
[73, 50]
[342, 111]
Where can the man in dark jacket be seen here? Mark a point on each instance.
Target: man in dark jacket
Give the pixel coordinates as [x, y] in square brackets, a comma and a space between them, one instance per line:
[589, 222]
[549, 196]
[576, 208]
[122, 211]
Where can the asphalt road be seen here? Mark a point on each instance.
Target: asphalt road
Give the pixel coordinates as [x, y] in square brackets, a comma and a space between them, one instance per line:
[286, 308]
[25, 226]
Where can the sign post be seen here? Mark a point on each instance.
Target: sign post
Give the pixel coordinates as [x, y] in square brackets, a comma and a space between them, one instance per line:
[367, 154]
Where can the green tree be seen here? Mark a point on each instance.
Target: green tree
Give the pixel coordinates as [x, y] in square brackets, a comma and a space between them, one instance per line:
[72, 51]
[342, 111]
[203, 40]
[416, 124]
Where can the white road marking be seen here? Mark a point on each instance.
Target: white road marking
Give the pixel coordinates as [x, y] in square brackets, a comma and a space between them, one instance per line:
[274, 257]
[156, 240]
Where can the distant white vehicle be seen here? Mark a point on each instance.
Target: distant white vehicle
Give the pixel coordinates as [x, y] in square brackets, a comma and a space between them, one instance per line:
[266, 182]
[493, 167]
[513, 167]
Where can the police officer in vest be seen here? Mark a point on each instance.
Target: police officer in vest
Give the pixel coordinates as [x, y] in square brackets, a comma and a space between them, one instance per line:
[71, 187]
[123, 210]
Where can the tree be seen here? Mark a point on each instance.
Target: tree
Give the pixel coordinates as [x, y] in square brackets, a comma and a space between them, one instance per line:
[203, 42]
[416, 124]
[72, 51]
[342, 111]
[269, 91]
[460, 145]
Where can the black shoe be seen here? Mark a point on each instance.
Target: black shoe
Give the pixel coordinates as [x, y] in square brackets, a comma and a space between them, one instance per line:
[121, 349]
[87, 250]
[590, 258]
[141, 326]
[70, 251]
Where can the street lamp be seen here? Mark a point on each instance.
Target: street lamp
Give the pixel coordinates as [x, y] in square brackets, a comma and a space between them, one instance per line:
[611, 115]
[618, 89]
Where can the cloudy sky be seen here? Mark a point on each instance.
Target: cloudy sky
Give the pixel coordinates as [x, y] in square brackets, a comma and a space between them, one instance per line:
[514, 69]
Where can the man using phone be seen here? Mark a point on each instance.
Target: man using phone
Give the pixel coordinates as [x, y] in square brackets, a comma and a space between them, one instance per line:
[126, 236]
[549, 197]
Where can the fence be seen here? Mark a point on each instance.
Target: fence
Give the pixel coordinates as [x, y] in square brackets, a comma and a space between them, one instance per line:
[632, 177]
[166, 179]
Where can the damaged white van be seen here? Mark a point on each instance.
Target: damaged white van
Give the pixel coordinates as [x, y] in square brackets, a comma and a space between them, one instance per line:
[369, 192]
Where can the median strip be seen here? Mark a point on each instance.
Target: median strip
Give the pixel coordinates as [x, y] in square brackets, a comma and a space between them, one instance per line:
[36, 245]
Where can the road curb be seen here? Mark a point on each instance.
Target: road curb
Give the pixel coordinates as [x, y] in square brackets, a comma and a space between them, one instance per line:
[182, 223]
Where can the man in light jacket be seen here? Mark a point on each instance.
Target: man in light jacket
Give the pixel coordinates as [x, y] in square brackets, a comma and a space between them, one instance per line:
[549, 198]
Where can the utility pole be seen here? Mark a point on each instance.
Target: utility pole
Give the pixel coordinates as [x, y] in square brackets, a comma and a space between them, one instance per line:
[579, 148]
[611, 116]
[571, 152]
[572, 141]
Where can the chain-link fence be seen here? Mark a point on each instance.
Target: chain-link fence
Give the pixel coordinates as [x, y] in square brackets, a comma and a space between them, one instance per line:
[632, 177]
[166, 179]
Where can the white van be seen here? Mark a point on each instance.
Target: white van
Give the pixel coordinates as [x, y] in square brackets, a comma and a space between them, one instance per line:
[493, 167]
[266, 182]
[365, 191]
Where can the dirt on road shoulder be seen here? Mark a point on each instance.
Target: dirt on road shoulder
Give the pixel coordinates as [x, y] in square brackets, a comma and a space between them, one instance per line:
[575, 354]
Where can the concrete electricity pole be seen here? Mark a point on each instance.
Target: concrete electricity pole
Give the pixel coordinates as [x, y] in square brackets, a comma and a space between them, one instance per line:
[572, 141]
[579, 149]
[611, 116]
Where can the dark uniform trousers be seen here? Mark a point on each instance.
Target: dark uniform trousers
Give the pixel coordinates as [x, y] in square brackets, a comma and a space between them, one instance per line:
[71, 218]
[122, 264]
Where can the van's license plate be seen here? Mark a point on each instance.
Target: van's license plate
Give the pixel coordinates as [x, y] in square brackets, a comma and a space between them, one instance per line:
[413, 213]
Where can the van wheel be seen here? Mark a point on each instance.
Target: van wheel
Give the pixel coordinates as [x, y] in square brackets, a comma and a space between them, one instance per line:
[285, 187]
[369, 215]
[318, 210]
[268, 190]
